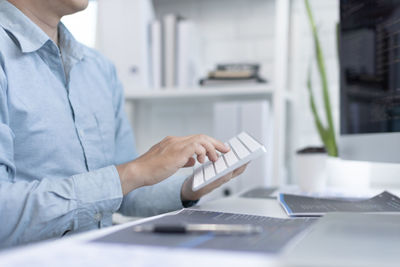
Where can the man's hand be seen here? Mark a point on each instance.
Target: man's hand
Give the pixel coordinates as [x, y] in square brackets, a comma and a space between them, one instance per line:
[166, 158]
[188, 194]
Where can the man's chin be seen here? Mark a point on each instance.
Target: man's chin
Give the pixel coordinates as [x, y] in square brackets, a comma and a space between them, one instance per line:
[75, 6]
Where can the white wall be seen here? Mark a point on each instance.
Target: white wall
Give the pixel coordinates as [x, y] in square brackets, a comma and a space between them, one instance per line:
[83, 25]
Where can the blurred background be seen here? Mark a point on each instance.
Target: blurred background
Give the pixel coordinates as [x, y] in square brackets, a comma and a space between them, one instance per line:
[218, 67]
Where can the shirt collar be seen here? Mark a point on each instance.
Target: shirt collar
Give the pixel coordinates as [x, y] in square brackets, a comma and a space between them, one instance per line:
[30, 37]
[68, 44]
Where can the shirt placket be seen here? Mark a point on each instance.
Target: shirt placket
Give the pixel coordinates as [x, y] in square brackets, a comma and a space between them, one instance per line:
[54, 59]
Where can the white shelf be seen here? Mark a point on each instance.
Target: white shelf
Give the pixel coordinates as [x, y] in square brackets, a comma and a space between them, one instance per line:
[203, 93]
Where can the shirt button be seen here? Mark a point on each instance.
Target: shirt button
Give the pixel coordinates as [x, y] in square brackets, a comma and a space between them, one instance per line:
[81, 133]
[98, 216]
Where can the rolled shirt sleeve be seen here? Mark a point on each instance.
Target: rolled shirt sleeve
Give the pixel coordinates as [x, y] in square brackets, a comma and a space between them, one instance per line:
[37, 210]
[98, 195]
[151, 200]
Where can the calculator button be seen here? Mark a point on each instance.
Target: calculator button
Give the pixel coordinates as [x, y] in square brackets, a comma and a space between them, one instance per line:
[249, 142]
[220, 165]
[240, 149]
[209, 171]
[198, 177]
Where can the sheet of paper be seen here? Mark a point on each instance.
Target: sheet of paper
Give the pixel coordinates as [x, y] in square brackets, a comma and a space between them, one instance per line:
[296, 205]
[277, 233]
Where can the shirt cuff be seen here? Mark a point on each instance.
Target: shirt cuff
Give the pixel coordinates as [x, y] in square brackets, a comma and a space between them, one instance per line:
[179, 181]
[99, 194]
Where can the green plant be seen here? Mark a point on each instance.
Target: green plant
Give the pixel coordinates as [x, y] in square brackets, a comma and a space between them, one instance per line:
[326, 133]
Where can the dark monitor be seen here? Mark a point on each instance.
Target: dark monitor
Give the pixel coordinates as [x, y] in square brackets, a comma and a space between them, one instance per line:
[370, 80]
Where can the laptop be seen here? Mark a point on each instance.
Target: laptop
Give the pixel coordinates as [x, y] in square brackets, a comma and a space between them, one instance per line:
[349, 239]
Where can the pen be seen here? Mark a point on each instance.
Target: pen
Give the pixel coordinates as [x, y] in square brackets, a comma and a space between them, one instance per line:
[221, 229]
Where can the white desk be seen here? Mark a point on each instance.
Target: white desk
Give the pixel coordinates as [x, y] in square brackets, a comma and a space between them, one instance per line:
[77, 251]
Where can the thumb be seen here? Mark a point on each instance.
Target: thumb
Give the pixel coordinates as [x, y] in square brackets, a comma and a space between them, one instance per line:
[190, 162]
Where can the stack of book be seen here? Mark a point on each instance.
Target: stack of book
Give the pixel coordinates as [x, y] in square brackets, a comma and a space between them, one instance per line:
[233, 74]
[172, 52]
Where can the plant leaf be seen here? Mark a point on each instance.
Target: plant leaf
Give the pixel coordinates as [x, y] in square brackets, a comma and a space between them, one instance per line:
[317, 120]
[329, 133]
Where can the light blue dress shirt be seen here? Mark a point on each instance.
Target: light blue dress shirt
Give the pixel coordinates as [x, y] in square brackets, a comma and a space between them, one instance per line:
[62, 131]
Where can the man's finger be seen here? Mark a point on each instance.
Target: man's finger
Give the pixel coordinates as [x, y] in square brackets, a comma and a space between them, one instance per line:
[211, 153]
[201, 153]
[221, 147]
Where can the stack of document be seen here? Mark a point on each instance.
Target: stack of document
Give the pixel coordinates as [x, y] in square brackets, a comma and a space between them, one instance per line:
[298, 205]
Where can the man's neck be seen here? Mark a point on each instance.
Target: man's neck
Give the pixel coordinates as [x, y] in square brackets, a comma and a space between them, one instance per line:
[47, 21]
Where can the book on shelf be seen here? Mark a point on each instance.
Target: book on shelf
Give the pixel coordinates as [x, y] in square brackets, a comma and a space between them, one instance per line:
[238, 74]
[170, 36]
[228, 74]
[186, 54]
[156, 54]
[173, 56]
[207, 82]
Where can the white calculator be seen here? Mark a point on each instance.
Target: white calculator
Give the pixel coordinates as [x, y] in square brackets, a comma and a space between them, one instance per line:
[244, 148]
